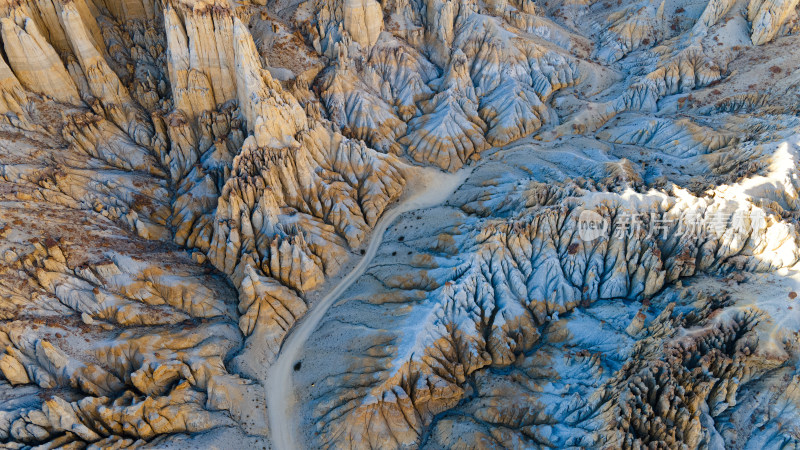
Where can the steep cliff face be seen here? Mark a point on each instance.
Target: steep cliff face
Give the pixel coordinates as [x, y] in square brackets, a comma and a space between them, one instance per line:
[36, 63]
[183, 181]
[768, 17]
[202, 68]
[14, 96]
[358, 21]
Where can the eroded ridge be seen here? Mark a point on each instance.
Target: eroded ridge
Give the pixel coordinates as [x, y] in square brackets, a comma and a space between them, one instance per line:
[182, 182]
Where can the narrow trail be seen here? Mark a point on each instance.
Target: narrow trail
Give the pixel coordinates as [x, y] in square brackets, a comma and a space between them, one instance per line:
[430, 188]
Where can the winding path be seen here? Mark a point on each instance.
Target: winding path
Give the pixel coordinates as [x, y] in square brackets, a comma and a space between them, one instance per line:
[430, 188]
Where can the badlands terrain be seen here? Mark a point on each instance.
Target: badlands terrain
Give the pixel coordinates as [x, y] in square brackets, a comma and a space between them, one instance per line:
[440, 224]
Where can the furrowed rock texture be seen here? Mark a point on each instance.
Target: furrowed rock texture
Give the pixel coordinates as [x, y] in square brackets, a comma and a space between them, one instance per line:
[104, 85]
[332, 190]
[272, 116]
[162, 121]
[201, 55]
[36, 63]
[767, 18]
[450, 77]
[358, 20]
[14, 96]
[494, 321]
[182, 181]
[486, 306]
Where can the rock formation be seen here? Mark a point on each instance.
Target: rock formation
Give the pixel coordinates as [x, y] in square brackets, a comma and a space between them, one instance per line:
[35, 63]
[183, 182]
